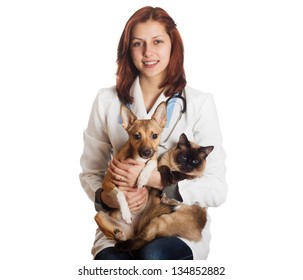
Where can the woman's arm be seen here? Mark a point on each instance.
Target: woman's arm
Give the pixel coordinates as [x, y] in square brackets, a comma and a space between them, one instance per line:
[97, 150]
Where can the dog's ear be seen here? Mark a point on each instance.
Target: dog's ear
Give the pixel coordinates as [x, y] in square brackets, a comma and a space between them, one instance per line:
[160, 114]
[127, 116]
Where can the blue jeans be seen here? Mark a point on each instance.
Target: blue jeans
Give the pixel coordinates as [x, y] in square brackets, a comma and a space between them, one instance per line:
[165, 248]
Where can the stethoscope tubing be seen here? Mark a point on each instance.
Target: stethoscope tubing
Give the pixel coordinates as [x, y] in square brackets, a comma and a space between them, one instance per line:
[182, 111]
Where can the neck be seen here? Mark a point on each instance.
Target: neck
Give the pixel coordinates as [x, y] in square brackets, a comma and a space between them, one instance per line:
[150, 91]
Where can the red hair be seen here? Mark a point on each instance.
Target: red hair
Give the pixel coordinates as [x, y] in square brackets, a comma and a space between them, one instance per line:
[127, 72]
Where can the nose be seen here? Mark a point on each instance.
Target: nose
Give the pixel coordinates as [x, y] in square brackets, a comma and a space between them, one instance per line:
[146, 152]
[148, 51]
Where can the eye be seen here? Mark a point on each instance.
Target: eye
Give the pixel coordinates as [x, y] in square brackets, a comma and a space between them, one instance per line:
[157, 42]
[195, 161]
[184, 157]
[155, 136]
[137, 136]
[137, 44]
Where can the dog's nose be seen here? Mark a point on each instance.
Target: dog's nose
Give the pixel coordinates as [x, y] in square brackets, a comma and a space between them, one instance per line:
[146, 153]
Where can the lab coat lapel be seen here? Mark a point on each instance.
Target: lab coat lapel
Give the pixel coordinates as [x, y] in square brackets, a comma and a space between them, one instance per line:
[138, 106]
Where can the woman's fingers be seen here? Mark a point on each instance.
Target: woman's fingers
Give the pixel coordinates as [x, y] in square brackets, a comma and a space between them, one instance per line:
[119, 176]
[125, 173]
[135, 198]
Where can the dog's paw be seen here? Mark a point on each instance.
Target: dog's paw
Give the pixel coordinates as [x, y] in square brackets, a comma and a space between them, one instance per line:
[142, 180]
[126, 216]
[146, 172]
[125, 212]
[119, 234]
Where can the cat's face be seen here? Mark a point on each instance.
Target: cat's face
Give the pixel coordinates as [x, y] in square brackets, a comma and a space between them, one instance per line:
[190, 157]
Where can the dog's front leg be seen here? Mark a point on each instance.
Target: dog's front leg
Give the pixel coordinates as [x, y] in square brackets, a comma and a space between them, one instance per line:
[125, 212]
[145, 173]
[123, 205]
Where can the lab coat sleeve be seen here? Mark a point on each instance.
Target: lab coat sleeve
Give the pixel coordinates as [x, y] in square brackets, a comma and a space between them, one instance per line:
[209, 190]
[97, 149]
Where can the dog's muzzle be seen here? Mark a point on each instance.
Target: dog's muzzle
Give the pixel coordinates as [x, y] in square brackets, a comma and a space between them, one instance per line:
[146, 153]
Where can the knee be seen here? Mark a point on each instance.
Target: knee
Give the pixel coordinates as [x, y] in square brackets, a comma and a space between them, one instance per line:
[152, 253]
[165, 249]
[111, 253]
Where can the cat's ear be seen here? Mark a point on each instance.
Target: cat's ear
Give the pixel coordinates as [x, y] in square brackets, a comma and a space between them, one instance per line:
[160, 114]
[127, 116]
[206, 150]
[183, 141]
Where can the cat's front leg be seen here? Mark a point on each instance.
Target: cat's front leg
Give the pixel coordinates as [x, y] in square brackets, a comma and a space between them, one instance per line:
[178, 176]
[166, 175]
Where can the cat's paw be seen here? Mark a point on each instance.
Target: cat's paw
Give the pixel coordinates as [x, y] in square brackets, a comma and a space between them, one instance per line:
[169, 201]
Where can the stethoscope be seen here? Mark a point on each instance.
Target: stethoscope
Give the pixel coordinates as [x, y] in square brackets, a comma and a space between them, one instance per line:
[178, 95]
[170, 104]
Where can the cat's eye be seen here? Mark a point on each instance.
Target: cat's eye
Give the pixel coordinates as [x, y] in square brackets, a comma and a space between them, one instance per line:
[184, 157]
[137, 136]
[155, 136]
[195, 161]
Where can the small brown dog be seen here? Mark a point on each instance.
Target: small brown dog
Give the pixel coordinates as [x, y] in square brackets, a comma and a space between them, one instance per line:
[142, 145]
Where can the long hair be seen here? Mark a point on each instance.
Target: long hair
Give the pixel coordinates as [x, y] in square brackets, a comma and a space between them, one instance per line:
[127, 72]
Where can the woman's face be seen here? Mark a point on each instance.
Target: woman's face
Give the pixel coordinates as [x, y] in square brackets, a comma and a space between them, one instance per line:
[150, 49]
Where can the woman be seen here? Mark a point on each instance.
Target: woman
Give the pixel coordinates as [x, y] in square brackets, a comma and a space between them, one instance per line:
[150, 70]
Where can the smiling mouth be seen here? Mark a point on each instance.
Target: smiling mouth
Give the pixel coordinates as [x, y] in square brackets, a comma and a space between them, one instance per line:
[150, 63]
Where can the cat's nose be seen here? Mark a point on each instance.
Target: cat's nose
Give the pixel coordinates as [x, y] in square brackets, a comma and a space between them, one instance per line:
[189, 168]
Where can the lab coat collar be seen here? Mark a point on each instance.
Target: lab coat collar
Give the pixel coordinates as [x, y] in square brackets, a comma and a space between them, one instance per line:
[138, 106]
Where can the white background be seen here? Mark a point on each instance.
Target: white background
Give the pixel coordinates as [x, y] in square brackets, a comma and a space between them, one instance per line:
[54, 57]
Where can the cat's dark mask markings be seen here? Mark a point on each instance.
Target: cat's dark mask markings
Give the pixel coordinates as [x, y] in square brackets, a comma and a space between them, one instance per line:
[186, 160]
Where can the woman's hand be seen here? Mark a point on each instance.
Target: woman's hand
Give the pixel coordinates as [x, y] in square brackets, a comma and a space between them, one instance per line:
[125, 173]
[136, 198]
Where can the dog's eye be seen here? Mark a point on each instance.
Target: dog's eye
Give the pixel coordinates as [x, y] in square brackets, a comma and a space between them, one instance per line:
[137, 136]
[155, 136]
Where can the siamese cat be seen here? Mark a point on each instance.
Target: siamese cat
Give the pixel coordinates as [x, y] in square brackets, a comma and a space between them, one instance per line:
[163, 216]
[185, 161]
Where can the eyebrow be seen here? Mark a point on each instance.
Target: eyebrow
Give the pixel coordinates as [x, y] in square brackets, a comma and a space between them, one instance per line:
[137, 38]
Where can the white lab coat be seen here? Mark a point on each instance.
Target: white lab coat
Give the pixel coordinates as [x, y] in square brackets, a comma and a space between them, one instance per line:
[105, 135]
